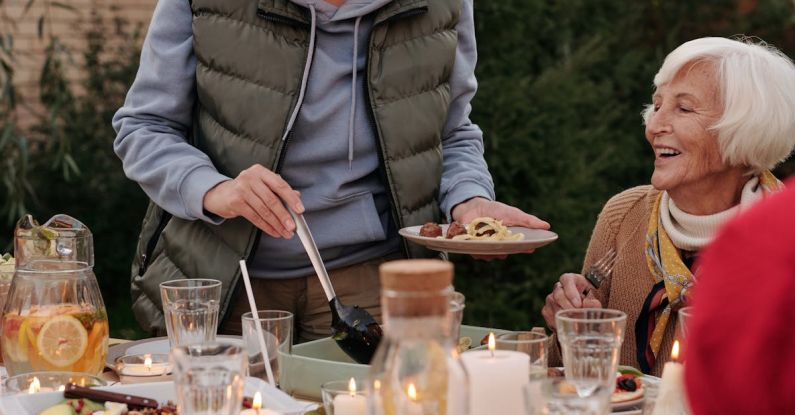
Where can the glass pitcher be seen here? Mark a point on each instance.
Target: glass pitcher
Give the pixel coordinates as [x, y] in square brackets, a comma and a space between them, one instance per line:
[416, 369]
[54, 318]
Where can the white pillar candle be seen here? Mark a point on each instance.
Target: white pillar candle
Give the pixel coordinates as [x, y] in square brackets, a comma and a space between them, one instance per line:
[671, 396]
[350, 403]
[496, 378]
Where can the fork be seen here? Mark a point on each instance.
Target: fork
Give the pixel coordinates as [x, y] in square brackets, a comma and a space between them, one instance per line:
[600, 270]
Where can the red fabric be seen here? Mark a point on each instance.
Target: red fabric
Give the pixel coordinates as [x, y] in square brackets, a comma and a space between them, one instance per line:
[740, 354]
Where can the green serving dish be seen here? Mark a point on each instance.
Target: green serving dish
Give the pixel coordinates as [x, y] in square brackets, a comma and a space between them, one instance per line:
[316, 362]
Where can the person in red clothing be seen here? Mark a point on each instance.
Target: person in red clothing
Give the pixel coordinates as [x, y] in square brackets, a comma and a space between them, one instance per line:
[740, 350]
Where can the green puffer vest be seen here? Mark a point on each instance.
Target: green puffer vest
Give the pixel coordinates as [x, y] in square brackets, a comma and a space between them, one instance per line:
[251, 56]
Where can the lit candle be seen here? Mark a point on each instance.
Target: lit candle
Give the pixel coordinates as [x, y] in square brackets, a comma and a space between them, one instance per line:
[496, 378]
[256, 407]
[35, 386]
[143, 368]
[671, 397]
[350, 403]
[413, 406]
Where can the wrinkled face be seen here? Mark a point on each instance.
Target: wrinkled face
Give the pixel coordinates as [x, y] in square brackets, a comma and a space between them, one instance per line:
[686, 151]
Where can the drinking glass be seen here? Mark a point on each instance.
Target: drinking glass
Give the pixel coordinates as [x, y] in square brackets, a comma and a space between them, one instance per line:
[277, 330]
[457, 304]
[533, 344]
[590, 339]
[685, 314]
[190, 307]
[209, 378]
[556, 396]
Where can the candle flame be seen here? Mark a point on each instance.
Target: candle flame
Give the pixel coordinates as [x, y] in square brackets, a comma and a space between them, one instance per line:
[412, 391]
[148, 363]
[492, 343]
[35, 385]
[675, 351]
[352, 387]
[256, 404]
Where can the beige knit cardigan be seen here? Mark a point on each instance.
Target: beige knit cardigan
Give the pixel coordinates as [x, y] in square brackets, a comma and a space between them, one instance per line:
[622, 225]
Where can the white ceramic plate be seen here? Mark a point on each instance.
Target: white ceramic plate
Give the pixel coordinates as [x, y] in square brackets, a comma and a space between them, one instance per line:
[623, 407]
[155, 345]
[25, 404]
[533, 238]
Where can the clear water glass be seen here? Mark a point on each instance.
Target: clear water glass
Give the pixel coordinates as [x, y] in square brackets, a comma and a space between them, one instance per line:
[556, 396]
[590, 339]
[277, 331]
[532, 343]
[209, 378]
[457, 305]
[190, 307]
[684, 316]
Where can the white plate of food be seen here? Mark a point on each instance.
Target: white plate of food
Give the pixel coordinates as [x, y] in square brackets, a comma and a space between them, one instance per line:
[162, 392]
[482, 236]
[154, 345]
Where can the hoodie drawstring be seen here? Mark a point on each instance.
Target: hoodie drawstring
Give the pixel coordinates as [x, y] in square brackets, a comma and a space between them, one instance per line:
[354, 70]
[307, 67]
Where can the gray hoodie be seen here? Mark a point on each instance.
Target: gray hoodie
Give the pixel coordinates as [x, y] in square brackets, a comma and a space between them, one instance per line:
[332, 159]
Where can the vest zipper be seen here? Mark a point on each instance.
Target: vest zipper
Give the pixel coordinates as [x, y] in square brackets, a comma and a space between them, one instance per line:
[275, 18]
[150, 245]
[374, 124]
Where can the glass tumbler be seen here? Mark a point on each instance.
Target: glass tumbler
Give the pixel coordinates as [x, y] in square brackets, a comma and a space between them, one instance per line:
[209, 378]
[457, 305]
[531, 343]
[190, 307]
[277, 331]
[590, 339]
[556, 396]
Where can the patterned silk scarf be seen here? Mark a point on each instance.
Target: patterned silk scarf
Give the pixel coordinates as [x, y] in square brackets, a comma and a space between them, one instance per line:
[673, 281]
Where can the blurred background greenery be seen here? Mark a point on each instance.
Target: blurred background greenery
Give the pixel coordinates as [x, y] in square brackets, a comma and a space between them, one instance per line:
[562, 84]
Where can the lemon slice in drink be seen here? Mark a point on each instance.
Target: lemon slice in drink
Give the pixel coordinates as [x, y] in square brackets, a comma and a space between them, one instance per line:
[62, 341]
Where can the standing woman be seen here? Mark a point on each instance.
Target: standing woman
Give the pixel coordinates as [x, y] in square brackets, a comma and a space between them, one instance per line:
[722, 116]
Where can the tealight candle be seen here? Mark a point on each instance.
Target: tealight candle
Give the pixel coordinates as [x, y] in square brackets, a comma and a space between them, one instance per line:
[496, 379]
[35, 382]
[256, 407]
[143, 368]
[671, 398]
[350, 403]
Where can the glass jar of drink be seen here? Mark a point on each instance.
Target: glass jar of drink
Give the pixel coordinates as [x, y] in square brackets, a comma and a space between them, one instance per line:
[54, 318]
[416, 370]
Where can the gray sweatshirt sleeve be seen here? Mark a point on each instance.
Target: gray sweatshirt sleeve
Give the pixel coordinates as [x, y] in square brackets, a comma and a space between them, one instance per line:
[465, 174]
[153, 124]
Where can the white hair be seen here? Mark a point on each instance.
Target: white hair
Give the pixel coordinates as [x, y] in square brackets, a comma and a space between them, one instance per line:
[757, 89]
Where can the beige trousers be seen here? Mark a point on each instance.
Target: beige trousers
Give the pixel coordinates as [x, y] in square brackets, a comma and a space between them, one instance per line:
[304, 297]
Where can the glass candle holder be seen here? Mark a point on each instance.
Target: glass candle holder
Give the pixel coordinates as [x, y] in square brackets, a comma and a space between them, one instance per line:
[34, 382]
[344, 397]
[143, 368]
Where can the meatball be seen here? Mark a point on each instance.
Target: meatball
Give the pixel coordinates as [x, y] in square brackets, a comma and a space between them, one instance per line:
[455, 229]
[431, 230]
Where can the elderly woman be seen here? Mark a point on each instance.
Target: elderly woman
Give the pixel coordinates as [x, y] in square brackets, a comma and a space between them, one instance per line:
[722, 115]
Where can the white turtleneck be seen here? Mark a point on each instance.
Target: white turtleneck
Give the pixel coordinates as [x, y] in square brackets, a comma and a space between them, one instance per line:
[692, 232]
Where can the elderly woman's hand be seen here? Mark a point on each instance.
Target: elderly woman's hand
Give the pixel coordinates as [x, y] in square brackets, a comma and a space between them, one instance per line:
[566, 294]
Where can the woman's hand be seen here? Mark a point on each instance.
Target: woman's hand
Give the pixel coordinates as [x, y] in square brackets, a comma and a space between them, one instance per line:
[258, 195]
[567, 294]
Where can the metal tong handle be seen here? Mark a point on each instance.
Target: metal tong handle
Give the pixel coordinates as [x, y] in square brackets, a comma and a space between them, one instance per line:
[305, 236]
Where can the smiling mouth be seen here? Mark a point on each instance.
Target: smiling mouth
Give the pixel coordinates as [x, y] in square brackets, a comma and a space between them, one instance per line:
[666, 152]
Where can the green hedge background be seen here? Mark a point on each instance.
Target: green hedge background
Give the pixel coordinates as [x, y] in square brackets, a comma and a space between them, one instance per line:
[561, 88]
